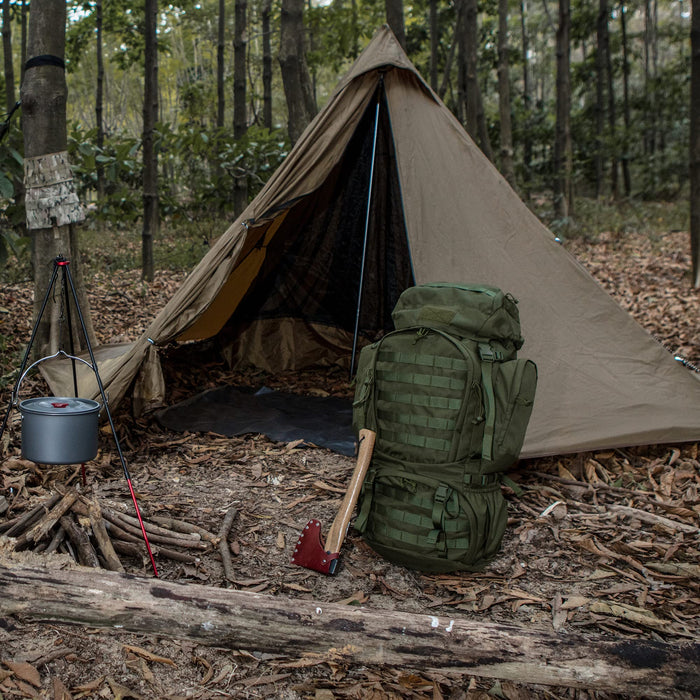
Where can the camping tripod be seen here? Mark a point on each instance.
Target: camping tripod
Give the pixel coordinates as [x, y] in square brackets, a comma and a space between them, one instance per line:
[60, 263]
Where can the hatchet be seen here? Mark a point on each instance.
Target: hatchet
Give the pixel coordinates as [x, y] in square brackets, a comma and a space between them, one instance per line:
[310, 550]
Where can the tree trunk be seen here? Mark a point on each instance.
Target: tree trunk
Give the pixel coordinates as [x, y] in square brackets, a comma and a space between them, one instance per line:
[612, 116]
[626, 116]
[434, 44]
[394, 18]
[267, 64]
[51, 203]
[601, 22]
[527, 100]
[695, 142]
[298, 629]
[563, 200]
[295, 72]
[470, 59]
[240, 119]
[25, 12]
[240, 43]
[220, 66]
[504, 94]
[99, 97]
[475, 117]
[151, 220]
[7, 54]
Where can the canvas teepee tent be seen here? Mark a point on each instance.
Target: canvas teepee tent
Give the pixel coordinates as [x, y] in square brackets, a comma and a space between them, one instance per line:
[280, 287]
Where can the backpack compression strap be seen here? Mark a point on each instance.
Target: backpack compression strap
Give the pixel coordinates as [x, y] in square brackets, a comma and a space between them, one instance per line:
[488, 355]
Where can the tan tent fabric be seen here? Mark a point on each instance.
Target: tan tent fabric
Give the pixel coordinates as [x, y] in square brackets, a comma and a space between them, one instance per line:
[604, 382]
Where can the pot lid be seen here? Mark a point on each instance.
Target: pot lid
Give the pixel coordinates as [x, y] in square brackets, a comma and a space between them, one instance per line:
[59, 406]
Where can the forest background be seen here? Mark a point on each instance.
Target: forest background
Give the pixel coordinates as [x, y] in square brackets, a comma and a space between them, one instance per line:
[579, 105]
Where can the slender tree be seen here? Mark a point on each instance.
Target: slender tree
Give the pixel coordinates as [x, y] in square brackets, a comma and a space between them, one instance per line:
[267, 63]
[504, 94]
[52, 207]
[563, 160]
[601, 25]
[394, 18]
[695, 142]
[475, 117]
[220, 66]
[434, 44]
[99, 96]
[296, 80]
[527, 98]
[7, 54]
[626, 112]
[240, 119]
[151, 219]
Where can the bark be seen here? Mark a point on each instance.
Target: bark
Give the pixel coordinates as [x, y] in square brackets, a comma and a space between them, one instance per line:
[240, 123]
[470, 59]
[434, 44]
[394, 18]
[527, 99]
[240, 43]
[267, 64]
[626, 114]
[296, 80]
[220, 57]
[601, 23]
[345, 634]
[151, 220]
[563, 201]
[507, 168]
[43, 95]
[695, 143]
[24, 12]
[7, 54]
[612, 116]
[475, 117]
[99, 96]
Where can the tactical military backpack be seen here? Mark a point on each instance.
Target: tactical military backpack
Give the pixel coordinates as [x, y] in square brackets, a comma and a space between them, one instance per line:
[450, 402]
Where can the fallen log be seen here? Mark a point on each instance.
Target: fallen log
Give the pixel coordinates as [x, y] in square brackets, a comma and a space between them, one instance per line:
[349, 635]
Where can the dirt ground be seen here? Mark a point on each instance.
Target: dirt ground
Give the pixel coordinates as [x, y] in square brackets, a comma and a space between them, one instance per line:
[602, 544]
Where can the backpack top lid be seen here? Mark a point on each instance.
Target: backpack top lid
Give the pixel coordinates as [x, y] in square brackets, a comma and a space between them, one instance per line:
[466, 310]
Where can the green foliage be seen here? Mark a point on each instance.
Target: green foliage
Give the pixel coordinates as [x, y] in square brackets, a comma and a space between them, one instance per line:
[197, 170]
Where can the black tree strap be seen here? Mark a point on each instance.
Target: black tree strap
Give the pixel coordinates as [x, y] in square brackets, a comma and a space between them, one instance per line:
[45, 60]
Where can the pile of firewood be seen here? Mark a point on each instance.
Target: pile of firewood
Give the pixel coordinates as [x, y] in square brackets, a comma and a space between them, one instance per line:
[95, 535]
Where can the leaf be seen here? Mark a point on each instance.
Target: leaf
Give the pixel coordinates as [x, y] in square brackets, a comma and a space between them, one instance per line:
[357, 598]
[7, 189]
[631, 614]
[149, 656]
[25, 671]
[121, 691]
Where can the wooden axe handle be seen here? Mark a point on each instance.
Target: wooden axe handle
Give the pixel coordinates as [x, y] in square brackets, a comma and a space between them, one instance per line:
[339, 528]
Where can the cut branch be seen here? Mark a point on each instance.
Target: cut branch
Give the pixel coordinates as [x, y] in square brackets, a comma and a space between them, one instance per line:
[346, 634]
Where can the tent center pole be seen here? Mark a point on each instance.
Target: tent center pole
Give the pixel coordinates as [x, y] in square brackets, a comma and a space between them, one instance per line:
[366, 232]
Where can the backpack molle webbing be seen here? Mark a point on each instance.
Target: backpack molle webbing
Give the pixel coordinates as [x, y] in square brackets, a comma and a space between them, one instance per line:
[450, 402]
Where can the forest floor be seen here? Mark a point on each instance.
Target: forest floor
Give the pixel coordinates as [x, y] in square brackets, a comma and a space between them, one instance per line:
[600, 544]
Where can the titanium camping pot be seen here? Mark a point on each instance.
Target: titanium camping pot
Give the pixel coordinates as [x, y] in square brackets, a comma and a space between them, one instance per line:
[59, 430]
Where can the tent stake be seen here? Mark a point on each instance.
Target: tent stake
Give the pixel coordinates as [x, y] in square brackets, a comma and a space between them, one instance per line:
[366, 234]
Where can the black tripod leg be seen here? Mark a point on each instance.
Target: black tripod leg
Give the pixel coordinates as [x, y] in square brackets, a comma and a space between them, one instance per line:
[70, 327]
[25, 359]
[109, 414]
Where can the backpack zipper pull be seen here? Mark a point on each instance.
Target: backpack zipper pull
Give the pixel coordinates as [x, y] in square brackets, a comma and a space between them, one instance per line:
[421, 333]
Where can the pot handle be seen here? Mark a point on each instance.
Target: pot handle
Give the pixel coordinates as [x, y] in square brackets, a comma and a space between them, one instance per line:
[15, 395]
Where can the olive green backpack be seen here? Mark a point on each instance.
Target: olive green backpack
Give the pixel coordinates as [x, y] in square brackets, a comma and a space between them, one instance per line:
[450, 403]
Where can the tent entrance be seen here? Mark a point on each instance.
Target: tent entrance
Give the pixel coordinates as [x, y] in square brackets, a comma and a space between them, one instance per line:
[301, 309]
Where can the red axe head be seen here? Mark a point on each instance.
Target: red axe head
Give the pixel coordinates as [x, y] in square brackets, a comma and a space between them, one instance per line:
[310, 551]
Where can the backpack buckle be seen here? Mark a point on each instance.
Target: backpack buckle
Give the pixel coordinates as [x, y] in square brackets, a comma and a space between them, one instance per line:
[442, 493]
[488, 353]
